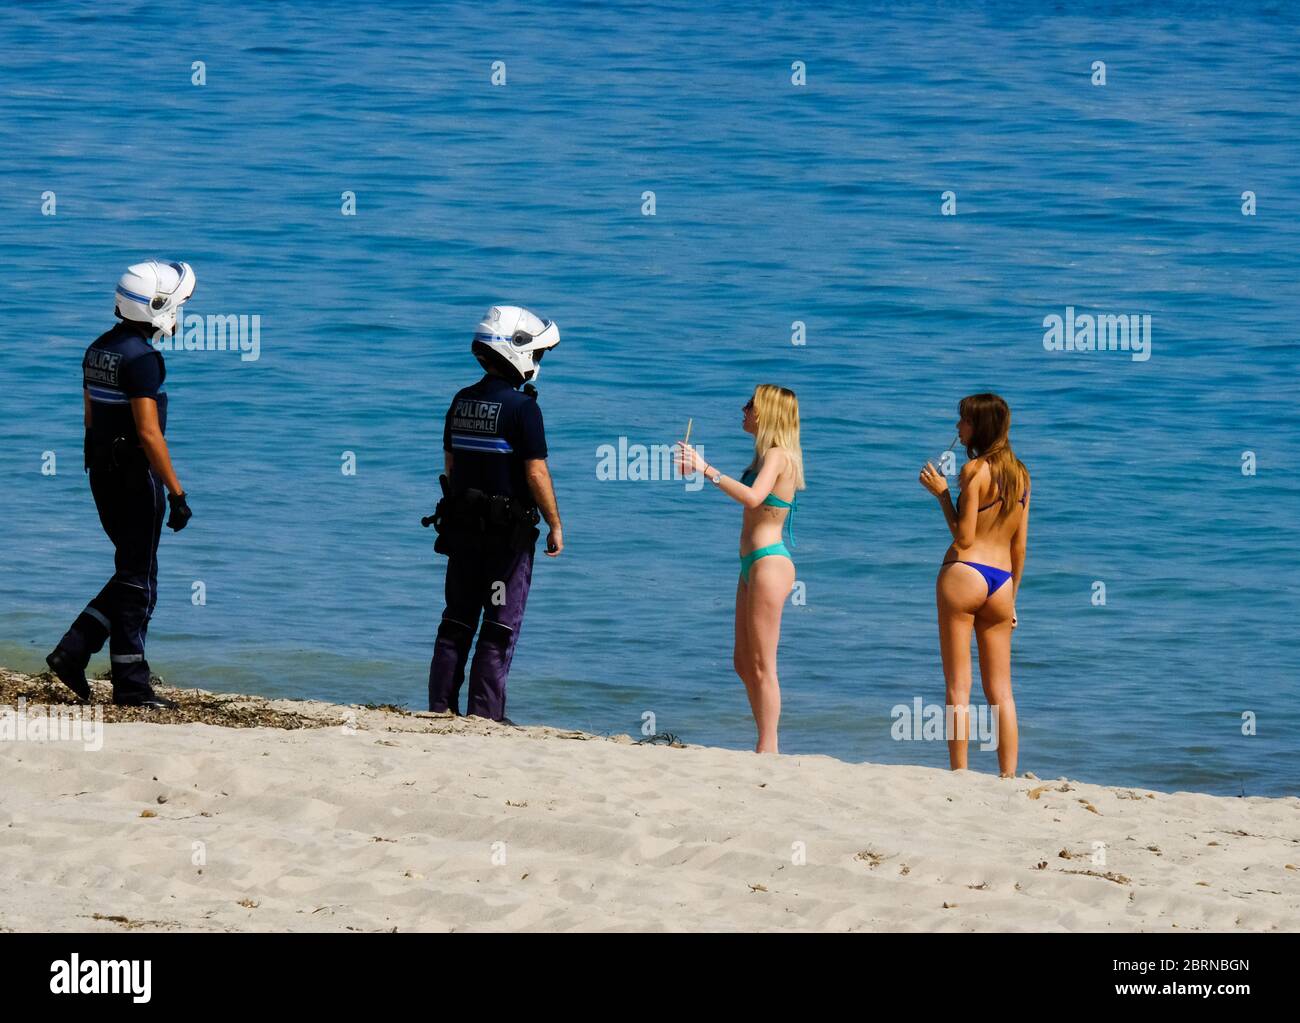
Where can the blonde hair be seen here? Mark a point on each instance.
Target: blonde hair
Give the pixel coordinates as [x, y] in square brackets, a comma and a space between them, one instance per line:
[777, 410]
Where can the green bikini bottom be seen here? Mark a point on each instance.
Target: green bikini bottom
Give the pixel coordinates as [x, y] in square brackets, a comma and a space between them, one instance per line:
[747, 560]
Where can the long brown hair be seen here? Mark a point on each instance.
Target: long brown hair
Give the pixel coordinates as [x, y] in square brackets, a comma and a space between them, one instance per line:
[990, 420]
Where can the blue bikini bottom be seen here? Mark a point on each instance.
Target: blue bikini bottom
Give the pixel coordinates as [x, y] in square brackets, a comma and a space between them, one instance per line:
[995, 577]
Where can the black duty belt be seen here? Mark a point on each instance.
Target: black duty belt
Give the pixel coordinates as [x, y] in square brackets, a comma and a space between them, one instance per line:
[475, 515]
[107, 454]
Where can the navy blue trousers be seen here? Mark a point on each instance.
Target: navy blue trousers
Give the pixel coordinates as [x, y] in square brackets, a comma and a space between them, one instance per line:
[131, 509]
[492, 583]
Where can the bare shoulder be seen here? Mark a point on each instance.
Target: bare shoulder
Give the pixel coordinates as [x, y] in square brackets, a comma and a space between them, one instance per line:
[973, 470]
[779, 458]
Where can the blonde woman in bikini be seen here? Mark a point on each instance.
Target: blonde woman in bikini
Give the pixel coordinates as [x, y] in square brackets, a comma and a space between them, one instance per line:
[980, 575]
[767, 491]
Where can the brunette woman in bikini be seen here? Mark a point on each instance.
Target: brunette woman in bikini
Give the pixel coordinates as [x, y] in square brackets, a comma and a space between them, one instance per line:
[980, 575]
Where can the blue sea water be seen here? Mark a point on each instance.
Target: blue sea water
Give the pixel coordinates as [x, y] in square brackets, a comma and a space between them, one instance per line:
[774, 203]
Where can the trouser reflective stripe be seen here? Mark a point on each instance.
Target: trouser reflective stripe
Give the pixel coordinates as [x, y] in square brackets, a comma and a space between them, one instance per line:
[491, 583]
[130, 504]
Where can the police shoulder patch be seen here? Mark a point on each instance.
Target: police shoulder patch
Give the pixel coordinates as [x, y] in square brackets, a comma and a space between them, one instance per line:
[470, 415]
[102, 367]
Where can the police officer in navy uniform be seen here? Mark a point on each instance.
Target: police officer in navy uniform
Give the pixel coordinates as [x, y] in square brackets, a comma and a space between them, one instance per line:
[129, 465]
[495, 490]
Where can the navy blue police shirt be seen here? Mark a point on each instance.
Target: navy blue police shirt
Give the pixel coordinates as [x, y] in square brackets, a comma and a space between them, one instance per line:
[122, 364]
[491, 430]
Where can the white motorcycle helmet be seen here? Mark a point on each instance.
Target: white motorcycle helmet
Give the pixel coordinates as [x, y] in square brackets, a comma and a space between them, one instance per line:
[516, 337]
[153, 292]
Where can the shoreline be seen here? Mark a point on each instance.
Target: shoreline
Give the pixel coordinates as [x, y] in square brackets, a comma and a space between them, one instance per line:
[241, 813]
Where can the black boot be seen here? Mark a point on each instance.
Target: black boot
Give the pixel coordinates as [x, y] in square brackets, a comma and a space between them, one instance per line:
[70, 673]
[150, 700]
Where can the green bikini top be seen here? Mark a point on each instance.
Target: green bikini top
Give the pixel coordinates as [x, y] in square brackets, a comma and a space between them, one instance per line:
[748, 477]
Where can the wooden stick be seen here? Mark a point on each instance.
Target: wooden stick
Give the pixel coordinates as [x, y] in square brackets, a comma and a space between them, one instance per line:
[688, 431]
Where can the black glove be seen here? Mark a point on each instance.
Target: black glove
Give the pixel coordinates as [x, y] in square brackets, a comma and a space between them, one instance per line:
[181, 513]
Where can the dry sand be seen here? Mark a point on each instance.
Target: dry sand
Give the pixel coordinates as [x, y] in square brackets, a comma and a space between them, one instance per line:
[308, 816]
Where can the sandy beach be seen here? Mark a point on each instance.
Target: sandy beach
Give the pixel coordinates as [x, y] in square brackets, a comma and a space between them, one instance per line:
[301, 816]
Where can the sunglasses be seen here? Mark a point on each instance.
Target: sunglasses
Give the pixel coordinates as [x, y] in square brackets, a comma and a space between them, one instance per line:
[749, 405]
